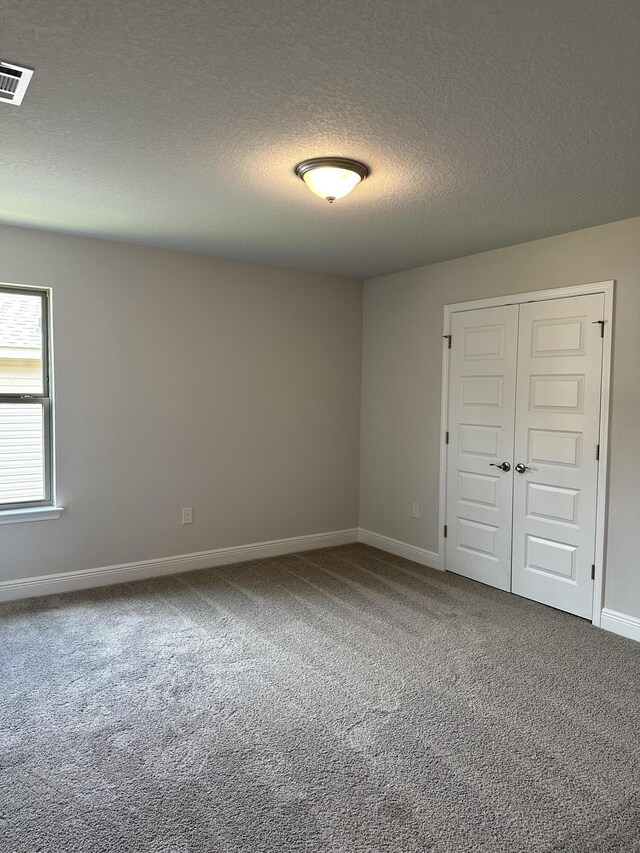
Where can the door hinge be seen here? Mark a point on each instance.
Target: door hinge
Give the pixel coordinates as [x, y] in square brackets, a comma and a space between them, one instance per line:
[597, 451]
[448, 338]
[446, 440]
[593, 572]
[445, 531]
[601, 324]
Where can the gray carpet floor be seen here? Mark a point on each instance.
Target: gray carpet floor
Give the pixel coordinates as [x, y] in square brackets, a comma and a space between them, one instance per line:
[341, 700]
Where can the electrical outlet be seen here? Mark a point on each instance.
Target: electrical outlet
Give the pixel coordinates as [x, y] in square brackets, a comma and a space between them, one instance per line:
[187, 515]
[415, 510]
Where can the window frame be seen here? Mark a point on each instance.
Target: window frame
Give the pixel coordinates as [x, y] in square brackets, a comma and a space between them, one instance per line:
[45, 399]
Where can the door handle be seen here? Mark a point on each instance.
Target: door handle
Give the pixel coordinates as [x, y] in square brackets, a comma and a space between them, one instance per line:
[504, 466]
[521, 468]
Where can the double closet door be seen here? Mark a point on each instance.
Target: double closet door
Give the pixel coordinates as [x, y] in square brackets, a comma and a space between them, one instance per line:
[522, 462]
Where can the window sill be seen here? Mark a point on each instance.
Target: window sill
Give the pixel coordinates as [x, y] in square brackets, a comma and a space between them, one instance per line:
[33, 513]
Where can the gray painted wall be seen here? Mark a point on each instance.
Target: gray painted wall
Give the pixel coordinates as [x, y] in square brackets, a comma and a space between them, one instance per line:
[401, 383]
[234, 388]
[186, 381]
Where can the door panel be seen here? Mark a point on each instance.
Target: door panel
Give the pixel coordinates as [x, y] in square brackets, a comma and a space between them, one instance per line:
[557, 426]
[481, 432]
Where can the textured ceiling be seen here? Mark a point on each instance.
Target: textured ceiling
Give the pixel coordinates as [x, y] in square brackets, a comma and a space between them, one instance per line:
[484, 122]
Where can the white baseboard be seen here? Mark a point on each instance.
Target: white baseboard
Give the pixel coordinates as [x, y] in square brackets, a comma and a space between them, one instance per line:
[401, 549]
[611, 620]
[69, 581]
[620, 623]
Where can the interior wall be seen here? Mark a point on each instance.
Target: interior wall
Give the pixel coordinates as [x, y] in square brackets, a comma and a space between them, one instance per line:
[180, 381]
[401, 383]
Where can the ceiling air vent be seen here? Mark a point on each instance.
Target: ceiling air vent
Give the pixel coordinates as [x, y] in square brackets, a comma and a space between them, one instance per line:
[14, 80]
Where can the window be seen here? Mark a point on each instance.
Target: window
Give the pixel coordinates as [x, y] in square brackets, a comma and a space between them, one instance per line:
[25, 402]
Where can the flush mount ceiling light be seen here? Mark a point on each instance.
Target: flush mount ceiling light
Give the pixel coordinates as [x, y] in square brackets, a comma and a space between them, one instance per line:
[331, 177]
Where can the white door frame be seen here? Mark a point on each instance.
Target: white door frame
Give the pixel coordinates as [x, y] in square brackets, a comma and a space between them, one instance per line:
[605, 287]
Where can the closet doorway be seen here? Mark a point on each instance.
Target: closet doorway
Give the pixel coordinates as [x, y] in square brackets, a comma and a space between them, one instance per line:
[525, 412]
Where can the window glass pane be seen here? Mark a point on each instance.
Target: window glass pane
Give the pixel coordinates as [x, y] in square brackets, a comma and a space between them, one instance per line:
[22, 476]
[20, 344]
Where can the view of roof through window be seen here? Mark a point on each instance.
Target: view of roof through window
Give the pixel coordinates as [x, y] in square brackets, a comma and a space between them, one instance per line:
[22, 474]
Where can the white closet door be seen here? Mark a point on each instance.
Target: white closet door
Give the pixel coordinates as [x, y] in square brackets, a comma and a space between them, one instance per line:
[557, 428]
[481, 424]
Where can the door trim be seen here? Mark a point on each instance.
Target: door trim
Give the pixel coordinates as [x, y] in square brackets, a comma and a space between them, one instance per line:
[605, 287]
